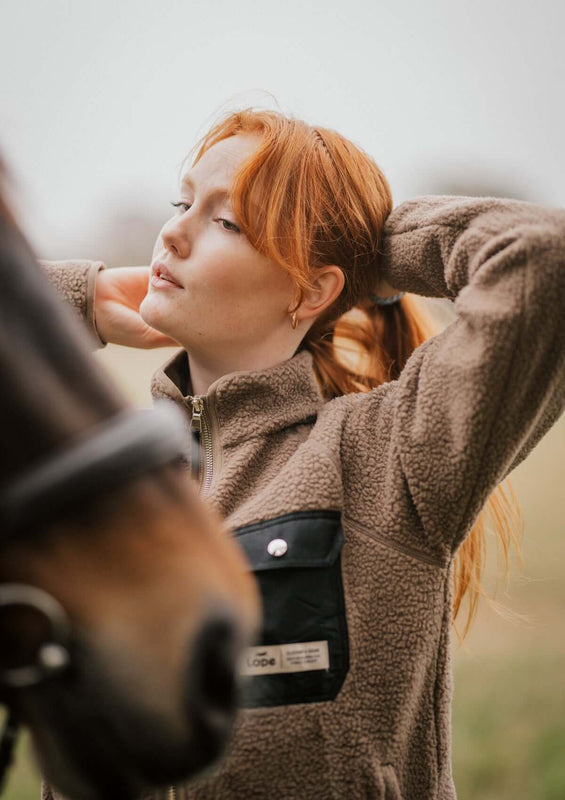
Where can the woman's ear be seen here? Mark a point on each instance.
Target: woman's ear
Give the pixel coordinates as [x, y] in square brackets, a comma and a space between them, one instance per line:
[327, 285]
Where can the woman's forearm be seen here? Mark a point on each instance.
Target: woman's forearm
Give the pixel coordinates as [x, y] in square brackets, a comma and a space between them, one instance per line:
[435, 245]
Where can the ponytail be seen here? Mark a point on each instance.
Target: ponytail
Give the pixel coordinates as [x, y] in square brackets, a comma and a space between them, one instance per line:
[370, 345]
[367, 346]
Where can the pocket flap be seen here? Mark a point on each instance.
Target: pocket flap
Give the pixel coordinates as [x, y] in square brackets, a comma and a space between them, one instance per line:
[302, 539]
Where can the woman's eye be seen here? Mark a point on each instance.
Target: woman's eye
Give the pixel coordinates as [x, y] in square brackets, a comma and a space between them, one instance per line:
[181, 205]
[229, 226]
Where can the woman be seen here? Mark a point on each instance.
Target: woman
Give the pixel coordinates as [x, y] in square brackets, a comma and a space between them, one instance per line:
[352, 503]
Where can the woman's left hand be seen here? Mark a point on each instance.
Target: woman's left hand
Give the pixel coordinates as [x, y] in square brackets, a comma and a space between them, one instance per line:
[119, 293]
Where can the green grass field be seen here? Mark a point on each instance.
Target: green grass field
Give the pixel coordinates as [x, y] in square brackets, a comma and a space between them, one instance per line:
[509, 702]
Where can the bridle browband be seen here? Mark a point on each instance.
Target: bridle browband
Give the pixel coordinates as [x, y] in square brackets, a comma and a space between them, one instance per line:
[119, 450]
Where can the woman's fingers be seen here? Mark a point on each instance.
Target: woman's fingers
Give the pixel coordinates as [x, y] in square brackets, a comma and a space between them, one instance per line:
[126, 285]
[153, 338]
[119, 293]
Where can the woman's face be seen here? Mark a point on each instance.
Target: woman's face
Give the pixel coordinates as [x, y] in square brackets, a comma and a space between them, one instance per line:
[209, 288]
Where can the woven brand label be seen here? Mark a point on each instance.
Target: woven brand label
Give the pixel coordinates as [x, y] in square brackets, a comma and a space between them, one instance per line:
[299, 657]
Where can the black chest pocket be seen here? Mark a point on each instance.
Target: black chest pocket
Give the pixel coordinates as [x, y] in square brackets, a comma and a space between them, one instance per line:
[302, 655]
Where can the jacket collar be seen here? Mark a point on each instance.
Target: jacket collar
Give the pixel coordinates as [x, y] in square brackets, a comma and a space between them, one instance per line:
[248, 404]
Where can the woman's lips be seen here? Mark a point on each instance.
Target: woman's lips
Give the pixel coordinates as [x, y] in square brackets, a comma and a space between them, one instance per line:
[161, 278]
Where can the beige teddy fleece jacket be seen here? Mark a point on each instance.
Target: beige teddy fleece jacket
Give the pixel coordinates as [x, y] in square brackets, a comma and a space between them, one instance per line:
[351, 511]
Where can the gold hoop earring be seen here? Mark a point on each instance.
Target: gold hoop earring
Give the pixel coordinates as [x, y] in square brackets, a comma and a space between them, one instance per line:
[293, 321]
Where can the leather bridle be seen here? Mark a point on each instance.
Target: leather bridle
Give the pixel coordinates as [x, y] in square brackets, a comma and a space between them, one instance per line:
[119, 450]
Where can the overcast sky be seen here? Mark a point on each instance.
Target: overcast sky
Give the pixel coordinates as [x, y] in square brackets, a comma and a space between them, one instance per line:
[101, 100]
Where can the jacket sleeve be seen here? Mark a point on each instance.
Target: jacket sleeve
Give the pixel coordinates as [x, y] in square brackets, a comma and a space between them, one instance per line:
[471, 402]
[75, 283]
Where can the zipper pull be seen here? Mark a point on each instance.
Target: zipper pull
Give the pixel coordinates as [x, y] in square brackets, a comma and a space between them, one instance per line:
[197, 411]
[196, 437]
[201, 430]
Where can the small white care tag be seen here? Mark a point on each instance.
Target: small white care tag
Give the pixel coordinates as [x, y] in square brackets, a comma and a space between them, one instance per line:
[299, 657]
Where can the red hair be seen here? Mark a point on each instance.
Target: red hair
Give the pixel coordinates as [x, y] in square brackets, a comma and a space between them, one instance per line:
[308, 197]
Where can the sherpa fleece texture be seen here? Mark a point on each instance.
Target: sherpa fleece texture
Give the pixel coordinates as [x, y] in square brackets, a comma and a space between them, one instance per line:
[409, 466]
[76, 281]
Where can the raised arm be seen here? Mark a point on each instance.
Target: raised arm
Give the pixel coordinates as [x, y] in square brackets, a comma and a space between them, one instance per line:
[108, 300]
[473, 401]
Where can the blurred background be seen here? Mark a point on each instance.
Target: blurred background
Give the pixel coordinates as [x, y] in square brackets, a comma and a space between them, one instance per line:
[99, 104]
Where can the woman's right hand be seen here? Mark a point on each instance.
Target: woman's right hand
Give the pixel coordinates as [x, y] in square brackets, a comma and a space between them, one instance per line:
[118, 295]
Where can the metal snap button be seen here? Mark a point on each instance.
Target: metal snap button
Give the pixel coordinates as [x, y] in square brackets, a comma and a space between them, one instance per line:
[277, 548]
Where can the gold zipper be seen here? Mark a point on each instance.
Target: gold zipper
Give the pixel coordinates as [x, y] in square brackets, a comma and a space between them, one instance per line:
[201, 425]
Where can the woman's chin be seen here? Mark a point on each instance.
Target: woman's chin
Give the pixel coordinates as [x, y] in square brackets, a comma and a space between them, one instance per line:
[151, 313]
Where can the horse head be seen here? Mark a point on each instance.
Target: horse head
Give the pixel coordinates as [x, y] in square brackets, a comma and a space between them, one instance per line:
[124, 603]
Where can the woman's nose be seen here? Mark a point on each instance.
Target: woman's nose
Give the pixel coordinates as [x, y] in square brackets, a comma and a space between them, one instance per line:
[175, 235]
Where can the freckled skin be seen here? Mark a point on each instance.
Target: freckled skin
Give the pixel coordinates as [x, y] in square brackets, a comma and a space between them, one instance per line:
[231, 311]
[233, 299]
